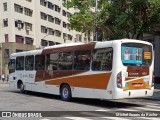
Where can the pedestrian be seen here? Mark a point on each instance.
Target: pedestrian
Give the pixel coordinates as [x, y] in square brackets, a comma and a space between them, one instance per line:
[3, 78]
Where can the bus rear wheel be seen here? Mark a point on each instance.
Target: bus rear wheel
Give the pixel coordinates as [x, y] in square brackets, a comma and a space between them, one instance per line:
[65, 92]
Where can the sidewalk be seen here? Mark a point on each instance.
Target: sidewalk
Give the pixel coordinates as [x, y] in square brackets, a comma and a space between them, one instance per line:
[5, 82]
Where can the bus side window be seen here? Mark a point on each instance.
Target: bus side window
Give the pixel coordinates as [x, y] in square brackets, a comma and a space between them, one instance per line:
[65, 61]
[20, 63]
[82, 60]
[29, 62]
[102, 59]
[39, 62]
[52, 61]
[11, 66]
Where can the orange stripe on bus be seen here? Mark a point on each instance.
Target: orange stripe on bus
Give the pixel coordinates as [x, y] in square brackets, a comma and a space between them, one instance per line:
[137, 84]
[96, 81]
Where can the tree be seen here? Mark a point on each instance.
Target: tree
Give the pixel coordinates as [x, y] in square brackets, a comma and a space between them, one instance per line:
[116, 19]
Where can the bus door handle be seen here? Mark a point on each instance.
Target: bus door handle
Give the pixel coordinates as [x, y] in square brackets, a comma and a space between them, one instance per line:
[14, 78]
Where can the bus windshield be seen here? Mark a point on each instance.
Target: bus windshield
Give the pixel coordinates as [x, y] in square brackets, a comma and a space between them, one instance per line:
[11, 65]
[136, 54]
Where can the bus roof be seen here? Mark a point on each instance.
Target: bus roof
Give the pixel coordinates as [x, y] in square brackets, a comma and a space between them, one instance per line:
[95, 44]
[24, 53]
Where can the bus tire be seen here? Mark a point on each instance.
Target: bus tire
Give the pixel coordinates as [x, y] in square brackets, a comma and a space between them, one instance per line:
[22, 88]
[65, 92]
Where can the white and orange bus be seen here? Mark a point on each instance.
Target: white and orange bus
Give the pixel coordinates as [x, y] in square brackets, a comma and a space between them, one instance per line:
[103, 70]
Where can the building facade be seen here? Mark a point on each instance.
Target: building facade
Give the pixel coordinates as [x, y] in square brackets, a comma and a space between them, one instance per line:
[34, 24]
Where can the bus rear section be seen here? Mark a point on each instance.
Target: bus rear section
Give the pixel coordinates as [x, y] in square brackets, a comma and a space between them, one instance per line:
[135, 78]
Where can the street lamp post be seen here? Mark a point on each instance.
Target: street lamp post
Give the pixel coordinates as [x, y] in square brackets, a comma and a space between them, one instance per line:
[96, 9]
[1, 59]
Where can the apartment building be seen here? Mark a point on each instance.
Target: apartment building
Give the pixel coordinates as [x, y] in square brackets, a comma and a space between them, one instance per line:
[34, 24]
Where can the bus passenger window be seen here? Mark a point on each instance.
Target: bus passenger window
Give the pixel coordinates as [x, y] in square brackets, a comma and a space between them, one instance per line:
[102, 59]
[11, 66]
[52, 61]
[20, 63]
[29, 62]
[39, 62]
[82, 60]
[65, 61]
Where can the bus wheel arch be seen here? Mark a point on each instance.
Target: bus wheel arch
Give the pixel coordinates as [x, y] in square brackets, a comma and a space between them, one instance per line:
[65, 92]
[20, 86]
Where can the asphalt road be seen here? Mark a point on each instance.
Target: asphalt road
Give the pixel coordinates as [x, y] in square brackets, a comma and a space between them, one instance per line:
[85, 109]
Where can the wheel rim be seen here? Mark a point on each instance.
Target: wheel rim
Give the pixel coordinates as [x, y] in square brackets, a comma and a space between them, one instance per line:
[65, 93]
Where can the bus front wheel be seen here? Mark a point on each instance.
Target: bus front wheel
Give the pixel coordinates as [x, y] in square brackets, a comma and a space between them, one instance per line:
[65, 92]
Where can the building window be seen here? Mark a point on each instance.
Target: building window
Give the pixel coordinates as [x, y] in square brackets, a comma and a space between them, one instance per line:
[18, 50]
[6, 53]
[43, 16]
[68, 26]
[57, 21]
[68, 14]
[29, 41]
[18, 8]
[64, 13]
[50, 31]
[51, 43]
[6, 38]
[78, 37]
[63, 2]
[50, 5]
[19, 24]
[43, 2]
[5, 22]
[50, 19]
[70, 37]
[29, 0]
[43, 29]
[64, 36]
[44, 43]
[19, 39]
[57, 8]
[57, 33]
[64, 25]
[28, 26]
[5, 6]
[28, 12]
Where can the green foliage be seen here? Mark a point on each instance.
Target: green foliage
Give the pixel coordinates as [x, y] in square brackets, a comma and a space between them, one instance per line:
[118, 19]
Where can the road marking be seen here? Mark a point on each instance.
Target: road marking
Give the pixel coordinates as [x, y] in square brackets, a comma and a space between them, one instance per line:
[77, 118]
[121, 109]
[102, 110]
[153, 118]
[153, 106]
[44, 119]
[115, 118]
[145, 109]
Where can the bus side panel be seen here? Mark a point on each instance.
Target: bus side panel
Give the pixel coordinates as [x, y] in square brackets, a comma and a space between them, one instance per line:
[41, 87]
